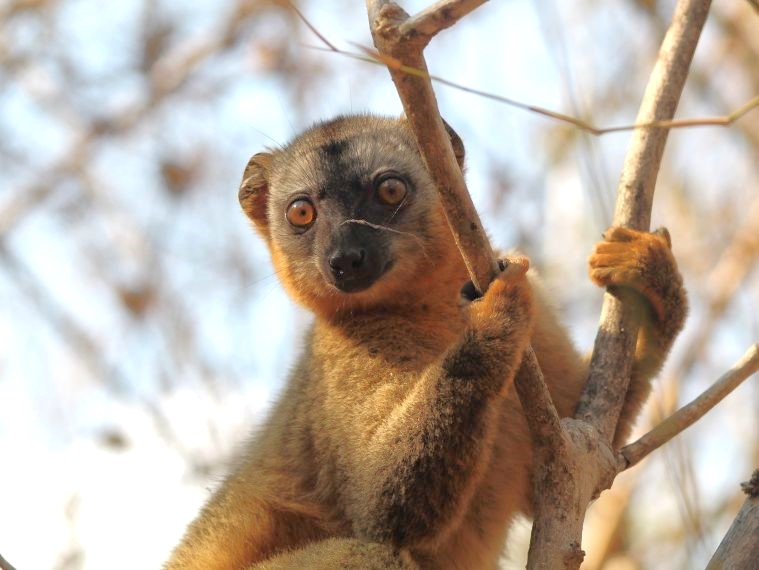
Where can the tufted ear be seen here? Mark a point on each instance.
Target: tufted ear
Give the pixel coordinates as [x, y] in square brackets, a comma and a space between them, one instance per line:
[254, 191]
[458, 146]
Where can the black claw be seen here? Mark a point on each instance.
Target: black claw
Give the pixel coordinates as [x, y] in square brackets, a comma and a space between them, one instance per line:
[469, 292]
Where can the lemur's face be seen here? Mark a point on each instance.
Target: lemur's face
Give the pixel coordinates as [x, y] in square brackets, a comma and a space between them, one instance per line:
[351, 215]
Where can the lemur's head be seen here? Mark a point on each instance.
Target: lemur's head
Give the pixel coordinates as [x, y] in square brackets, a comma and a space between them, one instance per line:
[349, 213]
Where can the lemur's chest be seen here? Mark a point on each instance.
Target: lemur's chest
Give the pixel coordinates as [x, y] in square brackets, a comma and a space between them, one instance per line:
[365, 371]
[394, 344]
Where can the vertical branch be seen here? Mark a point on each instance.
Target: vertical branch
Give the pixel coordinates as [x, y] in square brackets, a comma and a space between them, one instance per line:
[611, 362]
[404, 39]
[573, 459]
[393, 35]
[565, 484]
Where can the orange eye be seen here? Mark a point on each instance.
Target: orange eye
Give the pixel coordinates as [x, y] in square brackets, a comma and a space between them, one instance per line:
[301, 213]
[391, 191]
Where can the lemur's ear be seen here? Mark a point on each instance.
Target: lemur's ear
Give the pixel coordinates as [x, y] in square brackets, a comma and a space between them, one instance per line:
[458, 146]
[254, 191]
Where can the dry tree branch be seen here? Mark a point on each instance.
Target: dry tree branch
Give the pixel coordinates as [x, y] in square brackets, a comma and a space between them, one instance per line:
[438, 17]
[689, 414]
[565, 485]
[611, 362]
[739, 549]
[395, 36]
[5, 565]
[723, 121]
[420, 107]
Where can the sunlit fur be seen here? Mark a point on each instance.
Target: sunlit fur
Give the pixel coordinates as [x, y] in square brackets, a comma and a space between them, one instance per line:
[398, 441]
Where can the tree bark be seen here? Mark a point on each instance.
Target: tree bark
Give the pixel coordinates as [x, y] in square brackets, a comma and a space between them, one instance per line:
[739, 550]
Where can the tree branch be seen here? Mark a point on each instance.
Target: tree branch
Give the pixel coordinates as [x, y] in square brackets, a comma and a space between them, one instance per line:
[739, 550]
[438, 17]
[387, 21]
[542, 417]
[420, 107]
[5, 565]
[611, 362]
[689, 414]
[564, 485]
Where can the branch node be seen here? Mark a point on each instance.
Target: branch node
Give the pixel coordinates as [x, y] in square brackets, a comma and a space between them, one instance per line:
[573, 559]
[751, 487]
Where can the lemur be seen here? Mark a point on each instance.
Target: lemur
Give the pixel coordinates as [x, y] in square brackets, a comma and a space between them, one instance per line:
[399, 441]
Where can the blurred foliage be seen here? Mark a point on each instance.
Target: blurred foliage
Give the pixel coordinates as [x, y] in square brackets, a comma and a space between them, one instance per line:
[128, 276]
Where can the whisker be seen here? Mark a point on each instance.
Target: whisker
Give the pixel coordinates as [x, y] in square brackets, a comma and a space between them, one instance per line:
[391, 230]
[403, 202]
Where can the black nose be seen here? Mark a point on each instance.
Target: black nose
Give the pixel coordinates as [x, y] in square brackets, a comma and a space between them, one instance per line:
[347, 263]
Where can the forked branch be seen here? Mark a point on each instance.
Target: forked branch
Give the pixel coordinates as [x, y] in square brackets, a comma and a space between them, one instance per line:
[573, 457]
[438, 17]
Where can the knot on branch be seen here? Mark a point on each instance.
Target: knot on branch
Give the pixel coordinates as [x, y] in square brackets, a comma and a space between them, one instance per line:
[397, 39]
[593, 454]
[389, 19]
[575, 556]
[751, 487]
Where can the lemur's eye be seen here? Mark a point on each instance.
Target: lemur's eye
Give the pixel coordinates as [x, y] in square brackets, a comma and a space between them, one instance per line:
[391, 191]
[301, 213]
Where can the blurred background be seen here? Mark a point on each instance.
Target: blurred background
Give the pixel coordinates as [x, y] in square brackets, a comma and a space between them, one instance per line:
[143, 334]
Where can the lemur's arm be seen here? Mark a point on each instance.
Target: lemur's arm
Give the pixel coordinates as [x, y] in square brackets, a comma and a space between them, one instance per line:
[420, 467]
[643, 262]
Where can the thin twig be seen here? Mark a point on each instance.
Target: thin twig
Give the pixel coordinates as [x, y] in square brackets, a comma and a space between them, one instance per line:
[689, 414]
[542, 417]
[372, 56]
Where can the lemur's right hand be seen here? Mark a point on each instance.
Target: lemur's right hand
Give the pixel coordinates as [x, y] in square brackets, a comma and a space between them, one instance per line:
[507, 304]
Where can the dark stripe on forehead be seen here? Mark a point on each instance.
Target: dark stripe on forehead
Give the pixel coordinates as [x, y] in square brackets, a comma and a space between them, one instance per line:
[333, 148]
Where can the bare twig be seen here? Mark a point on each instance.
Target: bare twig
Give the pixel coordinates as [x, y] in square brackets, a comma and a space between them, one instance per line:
[605, 390]
[542, 417]
[687, 415]
[372, 56]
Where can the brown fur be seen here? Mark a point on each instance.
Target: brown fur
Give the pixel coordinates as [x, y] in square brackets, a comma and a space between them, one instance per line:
[398, 442]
